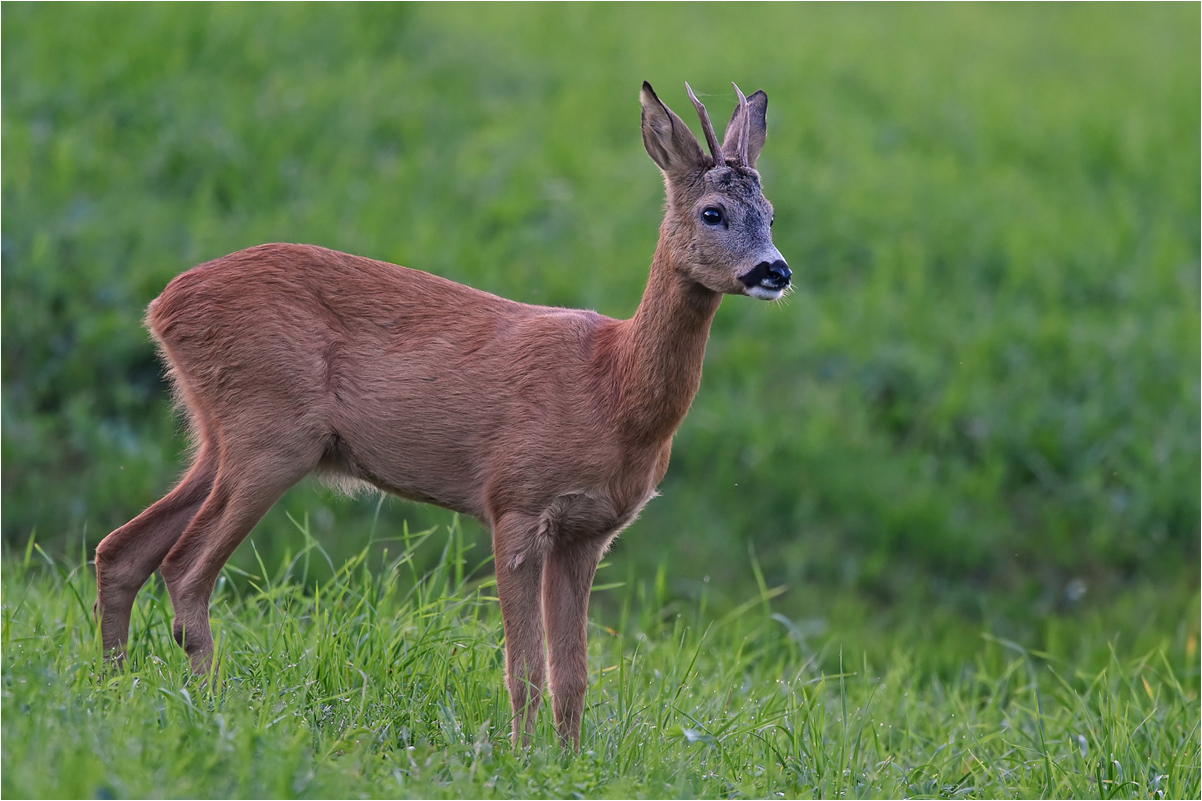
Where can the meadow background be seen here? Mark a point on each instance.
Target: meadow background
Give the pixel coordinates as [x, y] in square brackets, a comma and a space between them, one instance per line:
[964, 454]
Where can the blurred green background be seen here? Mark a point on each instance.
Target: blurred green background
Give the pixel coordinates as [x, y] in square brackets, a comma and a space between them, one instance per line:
[981, 404]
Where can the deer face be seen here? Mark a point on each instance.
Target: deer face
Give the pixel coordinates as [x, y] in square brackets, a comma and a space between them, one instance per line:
[731, 232]
[717, 212]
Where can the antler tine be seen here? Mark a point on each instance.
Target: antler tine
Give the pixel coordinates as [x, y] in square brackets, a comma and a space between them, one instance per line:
[744, 129]
[711, 138]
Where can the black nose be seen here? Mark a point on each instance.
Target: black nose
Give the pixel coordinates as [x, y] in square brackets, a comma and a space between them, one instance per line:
[778, 274]
[769, 276]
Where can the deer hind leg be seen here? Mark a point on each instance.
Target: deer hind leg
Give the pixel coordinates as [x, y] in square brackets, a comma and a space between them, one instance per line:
[518, 544]
[567, 582]
[246, 486]
[126, 558]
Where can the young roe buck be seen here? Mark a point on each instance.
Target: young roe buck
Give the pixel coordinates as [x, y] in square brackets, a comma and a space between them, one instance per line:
[552, 426]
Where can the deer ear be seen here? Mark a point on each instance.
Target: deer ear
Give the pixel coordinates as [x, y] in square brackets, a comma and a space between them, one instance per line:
[668, 140]
[757, 114]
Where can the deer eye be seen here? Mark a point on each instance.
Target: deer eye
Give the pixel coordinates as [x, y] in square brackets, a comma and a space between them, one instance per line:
[712, 216]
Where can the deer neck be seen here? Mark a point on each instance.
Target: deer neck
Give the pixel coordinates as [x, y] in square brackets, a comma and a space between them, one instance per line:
[663, 347]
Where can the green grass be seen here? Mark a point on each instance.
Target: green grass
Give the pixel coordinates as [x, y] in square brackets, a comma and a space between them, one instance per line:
[387, 682]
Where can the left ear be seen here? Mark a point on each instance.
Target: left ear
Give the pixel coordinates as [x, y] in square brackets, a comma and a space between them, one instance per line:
[668, 140]
[757, 119]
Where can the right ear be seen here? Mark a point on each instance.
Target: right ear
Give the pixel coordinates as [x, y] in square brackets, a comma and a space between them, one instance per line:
[668, 140]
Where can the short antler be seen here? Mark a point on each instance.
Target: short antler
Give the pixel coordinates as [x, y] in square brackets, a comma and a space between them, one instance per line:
[711, 138]
[744, 129]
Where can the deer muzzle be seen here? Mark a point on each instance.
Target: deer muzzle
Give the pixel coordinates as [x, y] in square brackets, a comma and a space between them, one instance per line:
[773, 276]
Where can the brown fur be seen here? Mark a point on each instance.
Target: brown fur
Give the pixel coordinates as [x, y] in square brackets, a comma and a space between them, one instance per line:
[552, 426]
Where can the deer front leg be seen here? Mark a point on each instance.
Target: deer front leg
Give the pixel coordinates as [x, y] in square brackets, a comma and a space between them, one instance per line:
[567, 581]
[519, 549]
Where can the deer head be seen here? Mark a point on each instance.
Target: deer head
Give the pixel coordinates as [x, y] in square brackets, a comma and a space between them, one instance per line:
[718, 217]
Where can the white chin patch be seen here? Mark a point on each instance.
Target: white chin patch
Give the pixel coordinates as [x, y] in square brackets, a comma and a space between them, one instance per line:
[764, 293]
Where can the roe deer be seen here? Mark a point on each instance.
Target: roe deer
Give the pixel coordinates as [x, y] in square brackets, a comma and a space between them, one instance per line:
[551, 426]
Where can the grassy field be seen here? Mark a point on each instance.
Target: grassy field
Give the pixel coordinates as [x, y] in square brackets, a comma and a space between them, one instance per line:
[930, 528]
[384, 682]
